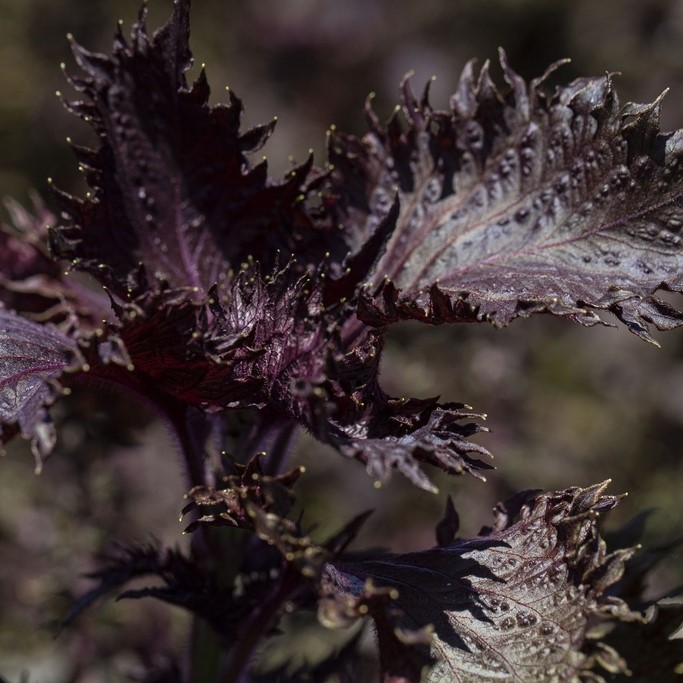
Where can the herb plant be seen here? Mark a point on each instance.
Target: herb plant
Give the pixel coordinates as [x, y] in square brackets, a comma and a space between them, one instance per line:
[246, 308]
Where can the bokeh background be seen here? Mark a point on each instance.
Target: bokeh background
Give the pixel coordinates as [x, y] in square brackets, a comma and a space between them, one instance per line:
[567, 405]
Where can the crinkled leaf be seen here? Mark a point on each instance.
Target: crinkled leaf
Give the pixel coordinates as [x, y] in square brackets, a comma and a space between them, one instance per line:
[248, 499]
[175, 208]
[172, 187]
[157, 347]
[269, 342]
[516, 202]
[251, 500]
[517, 603]
[32, 358]
[245, 348]
[272, 342]
[273, 331]
[402, 435]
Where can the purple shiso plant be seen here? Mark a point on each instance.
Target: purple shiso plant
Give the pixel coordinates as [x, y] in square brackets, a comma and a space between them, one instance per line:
[246, 308]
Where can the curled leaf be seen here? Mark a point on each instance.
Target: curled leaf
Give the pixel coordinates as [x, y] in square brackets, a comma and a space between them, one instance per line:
[514, 203]
[32, 358]
[35, 284]
[240, 495]
[402, 435]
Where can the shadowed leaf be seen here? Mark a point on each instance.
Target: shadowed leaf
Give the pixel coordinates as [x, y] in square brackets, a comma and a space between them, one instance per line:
[517, 603]
[184, 584]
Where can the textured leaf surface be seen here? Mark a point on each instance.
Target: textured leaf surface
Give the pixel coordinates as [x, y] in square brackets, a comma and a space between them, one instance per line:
[517, 603]
[241, 349]
[402, 435]
[172, 186]
[510, 203]
[514, 203]
[270, 342]
[32, 357]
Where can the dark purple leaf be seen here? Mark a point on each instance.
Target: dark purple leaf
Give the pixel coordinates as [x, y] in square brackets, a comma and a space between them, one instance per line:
[35, 284]
[522, 602]
[32, 358]
[246, 498]
[402, 434]
[273, 332]
[175, 210]
[172, 187]
[514, 203]
[184, 584]
[447, 528]
[244, 348]
[270, 342]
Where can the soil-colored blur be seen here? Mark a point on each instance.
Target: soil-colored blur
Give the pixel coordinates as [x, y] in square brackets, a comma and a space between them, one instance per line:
[566, 405]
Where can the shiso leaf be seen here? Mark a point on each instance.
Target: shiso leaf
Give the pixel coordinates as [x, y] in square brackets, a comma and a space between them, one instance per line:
[172, 186]
[512, 202]
[183, 583]
[515, 202]
[517, 603]
[32, 358]
[402, 435]
[35, 284]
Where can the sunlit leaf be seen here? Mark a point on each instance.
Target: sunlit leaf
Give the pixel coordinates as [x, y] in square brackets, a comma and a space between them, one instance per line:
[517, 603]
[516, 202]
[32, 358]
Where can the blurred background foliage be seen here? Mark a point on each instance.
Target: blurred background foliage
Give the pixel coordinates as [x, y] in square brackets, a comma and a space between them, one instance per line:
[568, 406]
